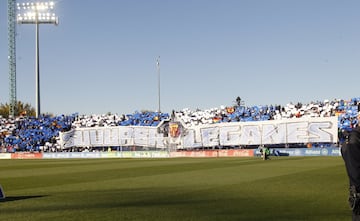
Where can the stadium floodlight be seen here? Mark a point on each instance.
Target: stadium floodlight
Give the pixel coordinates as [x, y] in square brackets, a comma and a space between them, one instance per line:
[36, 13]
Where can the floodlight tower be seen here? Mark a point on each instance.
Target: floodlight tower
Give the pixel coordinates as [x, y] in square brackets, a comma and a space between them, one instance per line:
[12, 55]
[37, 13]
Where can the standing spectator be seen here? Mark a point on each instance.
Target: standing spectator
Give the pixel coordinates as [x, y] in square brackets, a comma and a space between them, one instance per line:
[266, 153]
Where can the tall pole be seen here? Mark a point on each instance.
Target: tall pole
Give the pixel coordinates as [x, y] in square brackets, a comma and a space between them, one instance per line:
[37, 67]
[37, 13]
[158, 70]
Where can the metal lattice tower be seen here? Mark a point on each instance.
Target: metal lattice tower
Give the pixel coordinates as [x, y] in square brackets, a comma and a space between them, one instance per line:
[12, 55]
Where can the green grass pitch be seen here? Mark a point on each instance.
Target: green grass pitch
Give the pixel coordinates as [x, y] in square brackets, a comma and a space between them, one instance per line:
[186, 189]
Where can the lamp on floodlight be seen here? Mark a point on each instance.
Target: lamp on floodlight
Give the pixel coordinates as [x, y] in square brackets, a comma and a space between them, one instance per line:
[36, 13]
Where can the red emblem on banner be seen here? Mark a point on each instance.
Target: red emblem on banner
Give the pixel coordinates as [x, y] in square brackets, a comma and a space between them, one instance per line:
[174, 129]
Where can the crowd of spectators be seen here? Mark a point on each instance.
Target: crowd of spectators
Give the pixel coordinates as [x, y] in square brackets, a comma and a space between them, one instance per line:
[146, 118]
[30, 133]
[346, 110]
[42, 134]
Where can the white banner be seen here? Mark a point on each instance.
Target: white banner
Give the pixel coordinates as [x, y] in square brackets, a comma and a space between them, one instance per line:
[299, 130]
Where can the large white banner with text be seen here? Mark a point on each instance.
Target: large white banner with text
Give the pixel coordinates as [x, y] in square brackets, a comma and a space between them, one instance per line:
[299, 130]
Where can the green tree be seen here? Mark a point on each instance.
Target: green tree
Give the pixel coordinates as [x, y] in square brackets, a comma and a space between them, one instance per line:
[20, 109]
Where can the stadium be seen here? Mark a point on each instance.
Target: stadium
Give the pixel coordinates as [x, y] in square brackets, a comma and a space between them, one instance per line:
[184, 165]
[230, 162]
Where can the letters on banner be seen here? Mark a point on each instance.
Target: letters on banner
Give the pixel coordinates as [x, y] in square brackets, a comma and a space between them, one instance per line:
[309, 130]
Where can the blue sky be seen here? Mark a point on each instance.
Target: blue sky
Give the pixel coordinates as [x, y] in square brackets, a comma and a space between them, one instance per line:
[102, 56]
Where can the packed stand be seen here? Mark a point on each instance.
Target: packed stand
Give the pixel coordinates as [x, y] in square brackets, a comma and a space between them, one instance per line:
[41, 134]
[30, 133]
[346, 111]
[136, 119]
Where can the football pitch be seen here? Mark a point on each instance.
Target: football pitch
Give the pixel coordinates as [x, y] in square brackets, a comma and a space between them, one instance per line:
[196, 189]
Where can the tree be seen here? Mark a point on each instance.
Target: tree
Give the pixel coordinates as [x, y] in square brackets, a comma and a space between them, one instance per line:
[20, 109]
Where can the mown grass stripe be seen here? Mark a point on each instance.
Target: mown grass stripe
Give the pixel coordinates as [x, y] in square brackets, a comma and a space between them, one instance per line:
[286, 188]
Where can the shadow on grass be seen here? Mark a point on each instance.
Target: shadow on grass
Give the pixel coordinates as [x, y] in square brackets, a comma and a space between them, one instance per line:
[16, 198]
